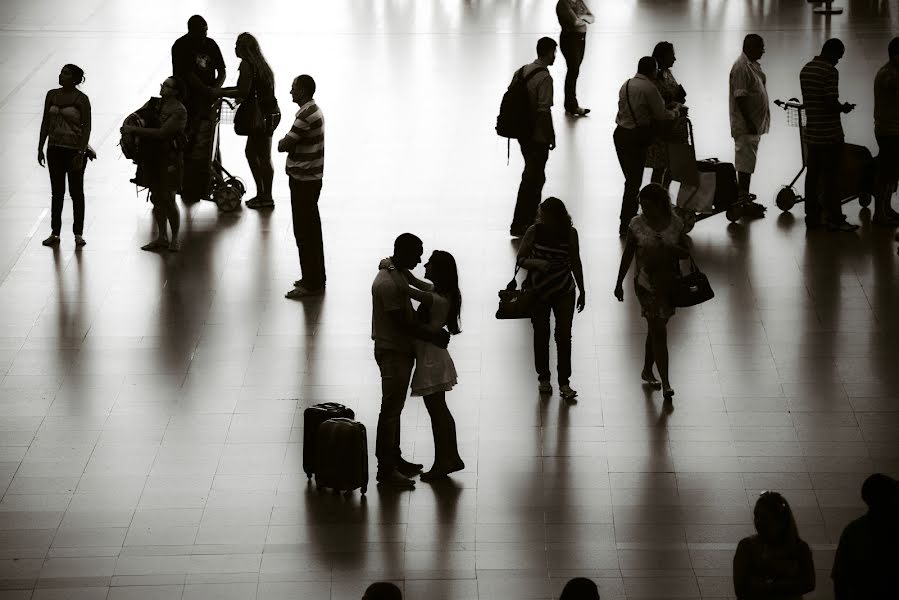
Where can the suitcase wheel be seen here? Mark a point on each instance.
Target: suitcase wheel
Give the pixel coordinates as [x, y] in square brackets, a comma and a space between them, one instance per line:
[786, 199]
[864, 200]
[733, 213]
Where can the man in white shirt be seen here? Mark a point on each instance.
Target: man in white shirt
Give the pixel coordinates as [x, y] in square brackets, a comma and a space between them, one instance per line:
[639, 104]
[750, 115]
[574, 16]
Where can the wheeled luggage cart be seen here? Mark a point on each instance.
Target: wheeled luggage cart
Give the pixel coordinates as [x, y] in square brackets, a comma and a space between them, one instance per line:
[686, 170]
[787, 197]
[227, 190]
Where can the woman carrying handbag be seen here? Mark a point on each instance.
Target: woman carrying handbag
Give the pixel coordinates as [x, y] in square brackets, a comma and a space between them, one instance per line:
[550, 252]
[657, 239]
[257, 116]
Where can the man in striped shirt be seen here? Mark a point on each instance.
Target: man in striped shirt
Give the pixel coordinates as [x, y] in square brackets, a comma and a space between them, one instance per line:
[305, 147]
[819, 81]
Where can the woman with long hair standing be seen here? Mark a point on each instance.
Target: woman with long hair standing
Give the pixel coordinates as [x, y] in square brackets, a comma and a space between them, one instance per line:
[257, 81]
[550, 251]
[774, 564]
[435, 373]
[657, 239]
[674, 96]
[67, 125]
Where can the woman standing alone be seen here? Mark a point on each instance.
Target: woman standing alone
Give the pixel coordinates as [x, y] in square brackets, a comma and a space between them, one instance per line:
[67, 125]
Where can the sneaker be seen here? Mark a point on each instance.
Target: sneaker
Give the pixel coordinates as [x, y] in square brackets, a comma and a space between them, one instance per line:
[260, 203]
[394, 478]
[566, 392]
[578, 112]
[79, 241]
[544, 387]
[302, 292]
[53, 240]
[841, 226]
[409, 469]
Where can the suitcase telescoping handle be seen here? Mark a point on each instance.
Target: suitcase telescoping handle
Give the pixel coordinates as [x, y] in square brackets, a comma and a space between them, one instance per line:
[690, 139]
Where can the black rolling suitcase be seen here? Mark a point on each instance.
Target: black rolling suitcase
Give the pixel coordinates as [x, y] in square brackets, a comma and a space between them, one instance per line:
[313, 417]
[857, 172]
[726, 192]
[341, 455]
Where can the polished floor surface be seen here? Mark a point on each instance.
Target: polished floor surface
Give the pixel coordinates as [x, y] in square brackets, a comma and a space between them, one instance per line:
[151, 406]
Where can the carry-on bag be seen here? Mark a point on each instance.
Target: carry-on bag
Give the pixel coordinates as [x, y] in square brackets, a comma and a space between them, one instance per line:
[313, 417]
[857, 172]
[341, 455]
[726, 191]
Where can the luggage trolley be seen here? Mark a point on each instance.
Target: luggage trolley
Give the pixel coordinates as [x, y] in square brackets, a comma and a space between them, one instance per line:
[856, 169]
[227, 190]
[698, 199]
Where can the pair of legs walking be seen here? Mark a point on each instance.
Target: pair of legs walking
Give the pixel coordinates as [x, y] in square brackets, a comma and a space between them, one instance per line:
[630, 146]
[656, 351]
[531, 188]
[61, 165]
[822, 203]
[562, 307]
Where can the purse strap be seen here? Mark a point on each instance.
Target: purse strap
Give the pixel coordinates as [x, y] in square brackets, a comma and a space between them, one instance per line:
[627, 96]
[514, 283]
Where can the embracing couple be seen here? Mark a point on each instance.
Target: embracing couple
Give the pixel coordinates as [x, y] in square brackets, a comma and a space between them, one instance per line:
[407, 340]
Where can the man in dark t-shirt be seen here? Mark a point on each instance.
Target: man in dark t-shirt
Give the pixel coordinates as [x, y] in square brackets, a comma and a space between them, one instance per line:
[197, 62]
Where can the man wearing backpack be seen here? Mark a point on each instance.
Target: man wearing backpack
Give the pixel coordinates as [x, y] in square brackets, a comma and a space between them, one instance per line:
[532, 125]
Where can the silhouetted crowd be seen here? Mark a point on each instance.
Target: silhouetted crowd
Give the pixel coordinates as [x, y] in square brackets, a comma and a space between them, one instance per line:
[173, 141]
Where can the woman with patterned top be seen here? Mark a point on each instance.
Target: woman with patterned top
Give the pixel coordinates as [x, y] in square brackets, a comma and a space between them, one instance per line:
[550, 251]
[674, 96]
[657, 239]
[257, 81]
[435, 373]
[67, 125]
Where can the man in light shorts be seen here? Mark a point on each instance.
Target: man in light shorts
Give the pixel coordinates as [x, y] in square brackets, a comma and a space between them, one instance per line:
[750, 116]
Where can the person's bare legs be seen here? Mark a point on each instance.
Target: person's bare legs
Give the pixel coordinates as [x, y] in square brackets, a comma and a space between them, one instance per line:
[647, 375]
[659, 338]
[253, 162]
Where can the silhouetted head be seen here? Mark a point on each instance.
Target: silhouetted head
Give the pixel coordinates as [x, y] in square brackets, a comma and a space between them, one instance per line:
[546, 50]
[553, 214]
[407, 251]
[580, 588]
[893, 50]
[664, 55]
[648, 66]
[655, 201]
[441, 270]
[303, 89]
[774, 520]
[197, 28]
[170, 88]
[881, 493]
[382, 590]
[753, 46]
[832, 51]
[70, 76]
[247, 48]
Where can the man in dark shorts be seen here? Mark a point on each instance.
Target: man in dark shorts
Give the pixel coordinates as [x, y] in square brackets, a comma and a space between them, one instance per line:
[197, 62]
[886, 130]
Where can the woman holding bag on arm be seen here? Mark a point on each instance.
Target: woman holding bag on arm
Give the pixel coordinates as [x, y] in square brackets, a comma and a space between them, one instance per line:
[258, 115]
[550, 251]
[657, 239]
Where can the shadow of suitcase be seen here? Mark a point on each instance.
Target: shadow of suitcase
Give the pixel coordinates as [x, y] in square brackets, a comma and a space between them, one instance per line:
[341, 455]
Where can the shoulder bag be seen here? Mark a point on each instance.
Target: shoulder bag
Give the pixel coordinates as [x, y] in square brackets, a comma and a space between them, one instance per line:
[248, 119]
[691, 288]
[515, 303]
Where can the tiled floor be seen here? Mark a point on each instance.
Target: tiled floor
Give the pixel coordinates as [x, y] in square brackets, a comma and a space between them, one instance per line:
[151, 406]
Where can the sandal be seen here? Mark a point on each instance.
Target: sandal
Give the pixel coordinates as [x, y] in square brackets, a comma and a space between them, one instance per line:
[667, 392]
[155, 245]
[174, 245]
[650, 379]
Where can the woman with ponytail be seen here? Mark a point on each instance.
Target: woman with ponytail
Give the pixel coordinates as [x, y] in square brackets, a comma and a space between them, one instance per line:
[256, 81]
[435, 373]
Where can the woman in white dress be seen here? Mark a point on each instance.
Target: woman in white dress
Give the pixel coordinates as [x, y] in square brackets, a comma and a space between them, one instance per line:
[435, 373]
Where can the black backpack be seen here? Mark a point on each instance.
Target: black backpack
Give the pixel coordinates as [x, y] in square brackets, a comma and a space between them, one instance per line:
[516, 119]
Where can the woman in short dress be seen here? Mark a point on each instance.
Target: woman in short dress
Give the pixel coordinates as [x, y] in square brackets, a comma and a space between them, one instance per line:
[67, 125]
[657, 239]
[256, 79]
[674, 96]
[435, 373]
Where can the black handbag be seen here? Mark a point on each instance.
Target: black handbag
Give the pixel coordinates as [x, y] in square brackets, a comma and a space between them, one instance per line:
[515, 303]
[692, 288]
[248, 119]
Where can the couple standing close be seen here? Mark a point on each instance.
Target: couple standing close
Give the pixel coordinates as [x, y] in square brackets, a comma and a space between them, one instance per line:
[406, 339]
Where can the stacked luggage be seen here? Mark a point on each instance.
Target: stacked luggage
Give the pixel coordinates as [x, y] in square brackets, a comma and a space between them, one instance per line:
[335, 448]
